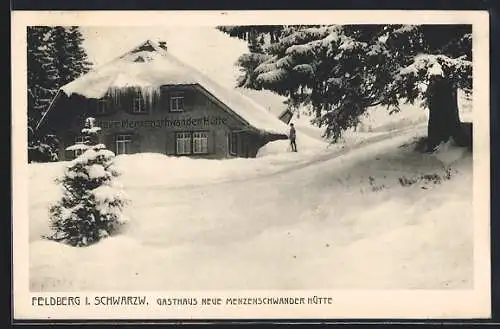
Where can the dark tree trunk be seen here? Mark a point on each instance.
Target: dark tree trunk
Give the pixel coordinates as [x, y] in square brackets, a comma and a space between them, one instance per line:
[444, 121]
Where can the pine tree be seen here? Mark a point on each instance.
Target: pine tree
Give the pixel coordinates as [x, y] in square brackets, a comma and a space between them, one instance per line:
[91, 205]
[43, 77]
[43, 81]
[71, 58]
[55, 57]
[247, 63]
[342, 71]
[439, 57]
[81, 64]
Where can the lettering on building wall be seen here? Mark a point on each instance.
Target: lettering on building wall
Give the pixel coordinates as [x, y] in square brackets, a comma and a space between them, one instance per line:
[164, 123]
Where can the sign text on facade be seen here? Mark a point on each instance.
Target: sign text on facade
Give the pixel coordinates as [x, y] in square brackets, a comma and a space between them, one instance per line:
[163, 123]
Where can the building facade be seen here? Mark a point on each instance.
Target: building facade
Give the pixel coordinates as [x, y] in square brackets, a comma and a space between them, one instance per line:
[178, 119]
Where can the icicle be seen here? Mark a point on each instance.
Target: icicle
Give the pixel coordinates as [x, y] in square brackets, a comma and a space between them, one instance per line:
[115, 94]
[149, 94]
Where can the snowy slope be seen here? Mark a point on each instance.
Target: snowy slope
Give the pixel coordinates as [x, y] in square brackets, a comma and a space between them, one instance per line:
[367, 213]
[342, 212]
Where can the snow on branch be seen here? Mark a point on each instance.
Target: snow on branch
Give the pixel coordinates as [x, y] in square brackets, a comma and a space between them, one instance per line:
[77, 147]
[306, 69]
[96, 171]
[300, 50]
[89, 156]
[284, 63]
[302, 36]
[376, 49]
[92, 130]
[106, 154]
[271, 77]
[427, 65]
[405, 29]
[396, 32]
[267, 66]
[327, 41]
[348, 43]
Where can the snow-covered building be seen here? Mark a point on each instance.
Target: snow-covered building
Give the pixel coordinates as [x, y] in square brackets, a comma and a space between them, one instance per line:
[149, 101]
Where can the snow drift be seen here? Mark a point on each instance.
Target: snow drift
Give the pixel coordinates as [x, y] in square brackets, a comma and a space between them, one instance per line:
[344, 214]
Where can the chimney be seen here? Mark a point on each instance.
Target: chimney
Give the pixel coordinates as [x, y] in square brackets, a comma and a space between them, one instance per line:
[163, 45]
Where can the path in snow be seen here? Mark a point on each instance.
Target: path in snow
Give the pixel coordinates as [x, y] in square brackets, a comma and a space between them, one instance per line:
[314, 226]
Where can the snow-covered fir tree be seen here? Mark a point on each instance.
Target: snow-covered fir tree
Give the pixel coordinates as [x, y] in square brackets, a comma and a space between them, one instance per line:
[43, 76]
[55, 57]
[92, 202]
[71, 58]
[43, 81]
[342, 71]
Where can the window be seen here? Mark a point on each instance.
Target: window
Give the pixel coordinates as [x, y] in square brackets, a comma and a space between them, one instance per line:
[191, 143]
[176, 103]
[79, 140]
[183, 143]
[123, 143]
[138, 105]
[233, 143]
[102, 106]
[200, 142]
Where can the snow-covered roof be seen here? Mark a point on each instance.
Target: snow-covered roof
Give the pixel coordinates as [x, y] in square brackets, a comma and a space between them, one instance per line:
[151, 66]
[144, 66]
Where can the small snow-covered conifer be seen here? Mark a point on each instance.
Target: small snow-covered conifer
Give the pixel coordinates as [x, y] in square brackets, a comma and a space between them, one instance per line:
[91, 206]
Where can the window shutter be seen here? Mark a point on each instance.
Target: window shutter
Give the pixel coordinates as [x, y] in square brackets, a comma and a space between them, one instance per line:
[164, 102]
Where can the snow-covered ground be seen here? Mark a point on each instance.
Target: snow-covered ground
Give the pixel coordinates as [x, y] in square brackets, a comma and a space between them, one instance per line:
[332, 218]
[367, 213]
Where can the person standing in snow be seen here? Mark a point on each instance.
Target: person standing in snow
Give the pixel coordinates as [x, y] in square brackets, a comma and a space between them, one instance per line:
[292, 137]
